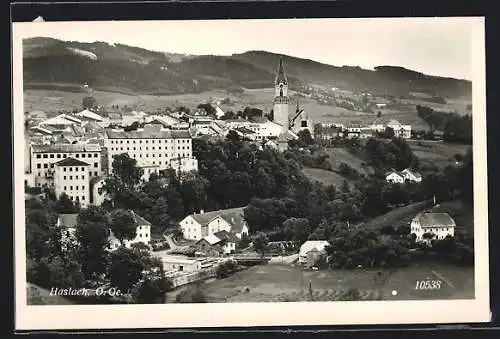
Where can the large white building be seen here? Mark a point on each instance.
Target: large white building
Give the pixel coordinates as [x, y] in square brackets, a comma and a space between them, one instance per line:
[200, 225]
[44, 157]
[400, 131]
[153, 148]
[439, 225]
[72, 177]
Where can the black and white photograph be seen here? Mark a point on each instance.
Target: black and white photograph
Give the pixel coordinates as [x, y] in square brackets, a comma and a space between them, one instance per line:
[294, 167]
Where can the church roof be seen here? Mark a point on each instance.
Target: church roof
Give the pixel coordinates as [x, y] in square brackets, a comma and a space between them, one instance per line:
[281, 76]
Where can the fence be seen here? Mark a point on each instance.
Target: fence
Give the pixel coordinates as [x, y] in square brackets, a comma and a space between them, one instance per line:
[186, 278]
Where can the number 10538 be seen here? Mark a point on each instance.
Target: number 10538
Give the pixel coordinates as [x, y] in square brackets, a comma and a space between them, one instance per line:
[428, 285]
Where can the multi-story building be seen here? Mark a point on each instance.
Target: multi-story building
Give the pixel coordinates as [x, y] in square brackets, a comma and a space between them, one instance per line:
[71, 176]
[436, 225]
[154, 149]
[44, 157]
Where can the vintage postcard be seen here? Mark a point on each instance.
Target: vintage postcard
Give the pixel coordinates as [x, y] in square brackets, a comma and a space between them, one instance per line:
[217, 173]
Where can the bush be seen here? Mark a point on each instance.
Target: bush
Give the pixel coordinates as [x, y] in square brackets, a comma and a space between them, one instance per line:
[191, 295]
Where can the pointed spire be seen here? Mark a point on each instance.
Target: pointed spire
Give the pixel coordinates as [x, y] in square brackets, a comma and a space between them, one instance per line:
[281, 76]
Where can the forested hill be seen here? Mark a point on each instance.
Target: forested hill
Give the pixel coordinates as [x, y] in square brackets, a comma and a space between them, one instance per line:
[117, 67]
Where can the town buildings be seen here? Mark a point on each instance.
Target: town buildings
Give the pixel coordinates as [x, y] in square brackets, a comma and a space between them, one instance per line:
[44, 157]
[436, 225]
[154, 149]
[199, 225]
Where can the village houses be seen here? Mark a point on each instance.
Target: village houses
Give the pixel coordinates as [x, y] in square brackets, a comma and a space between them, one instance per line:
[438, 225]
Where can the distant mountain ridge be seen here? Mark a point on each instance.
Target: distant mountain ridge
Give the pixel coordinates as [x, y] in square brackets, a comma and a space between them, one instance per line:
[118, 67]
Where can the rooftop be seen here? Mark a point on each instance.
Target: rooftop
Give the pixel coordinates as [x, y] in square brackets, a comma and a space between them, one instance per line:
[231, 215]
[435, 220]
[71, 162]
[68, 220]
[149, 134]
[66, 148]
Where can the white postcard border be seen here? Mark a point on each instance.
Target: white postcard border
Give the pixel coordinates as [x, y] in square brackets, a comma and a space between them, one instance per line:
[31, 317]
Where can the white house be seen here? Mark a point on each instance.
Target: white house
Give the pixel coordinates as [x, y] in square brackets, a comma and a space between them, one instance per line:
[394, 177]
[219, 113]
[411, 176]
[143, 234]
[400, 131]
[89, 115]
[439, 225]
[197, 226]
[311, 245]
[405, 175]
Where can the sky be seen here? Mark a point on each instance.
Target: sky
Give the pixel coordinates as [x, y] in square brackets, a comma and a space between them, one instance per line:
[434, 46]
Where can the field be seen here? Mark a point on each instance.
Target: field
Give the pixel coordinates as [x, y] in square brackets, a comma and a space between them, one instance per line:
[341, 155]
[437, 153]
[278, 283]
[397, 217]
[323, 176]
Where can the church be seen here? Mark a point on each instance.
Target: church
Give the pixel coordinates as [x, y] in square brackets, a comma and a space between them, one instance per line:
[283, 114]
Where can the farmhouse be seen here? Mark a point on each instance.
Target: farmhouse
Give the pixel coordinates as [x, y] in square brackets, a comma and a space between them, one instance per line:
[216, 244]
[435, 225]
[197, 226]
[310, 250]
[406, 175]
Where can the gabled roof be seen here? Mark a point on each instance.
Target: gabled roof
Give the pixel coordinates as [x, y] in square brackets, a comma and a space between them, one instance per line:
[227, 214]
[318, 245]
[244, 130]
[140, 221]
[89, 115]
[225, 235]
[68, 220]
[71, 162]
[211, 239]
[428, 220]
[95, 180]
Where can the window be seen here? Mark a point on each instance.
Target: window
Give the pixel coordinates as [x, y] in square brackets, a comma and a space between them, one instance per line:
[83, 169]
[65, 188]
[77, 155]
[83, 197]
[65, 155]
[83, 155]
[95, 173]
[51, 165]
[96, 155]
[76, 177]
[58, 156]
[64, 177]
[64, 169]
[45, 156]
[70, 177]
[70, 188]
[76, 169]
[38, 165]
[71, 169]
[38, 156]
[45, 166]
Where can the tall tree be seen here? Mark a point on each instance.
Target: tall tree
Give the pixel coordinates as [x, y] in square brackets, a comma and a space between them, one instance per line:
[89, 102]
[92, 233]
[260, 243]
[123, 225]
[125, 269]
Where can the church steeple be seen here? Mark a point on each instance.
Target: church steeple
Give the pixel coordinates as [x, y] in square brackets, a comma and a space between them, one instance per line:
[281, 76]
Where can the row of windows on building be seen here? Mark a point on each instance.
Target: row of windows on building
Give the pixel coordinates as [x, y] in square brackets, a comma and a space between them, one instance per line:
[50, 174]
[159, 156]
[447, 229]
[76, 177]
[76, 188]
[153, 141]
[152, 148]
[63, 156]
[76, 197]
